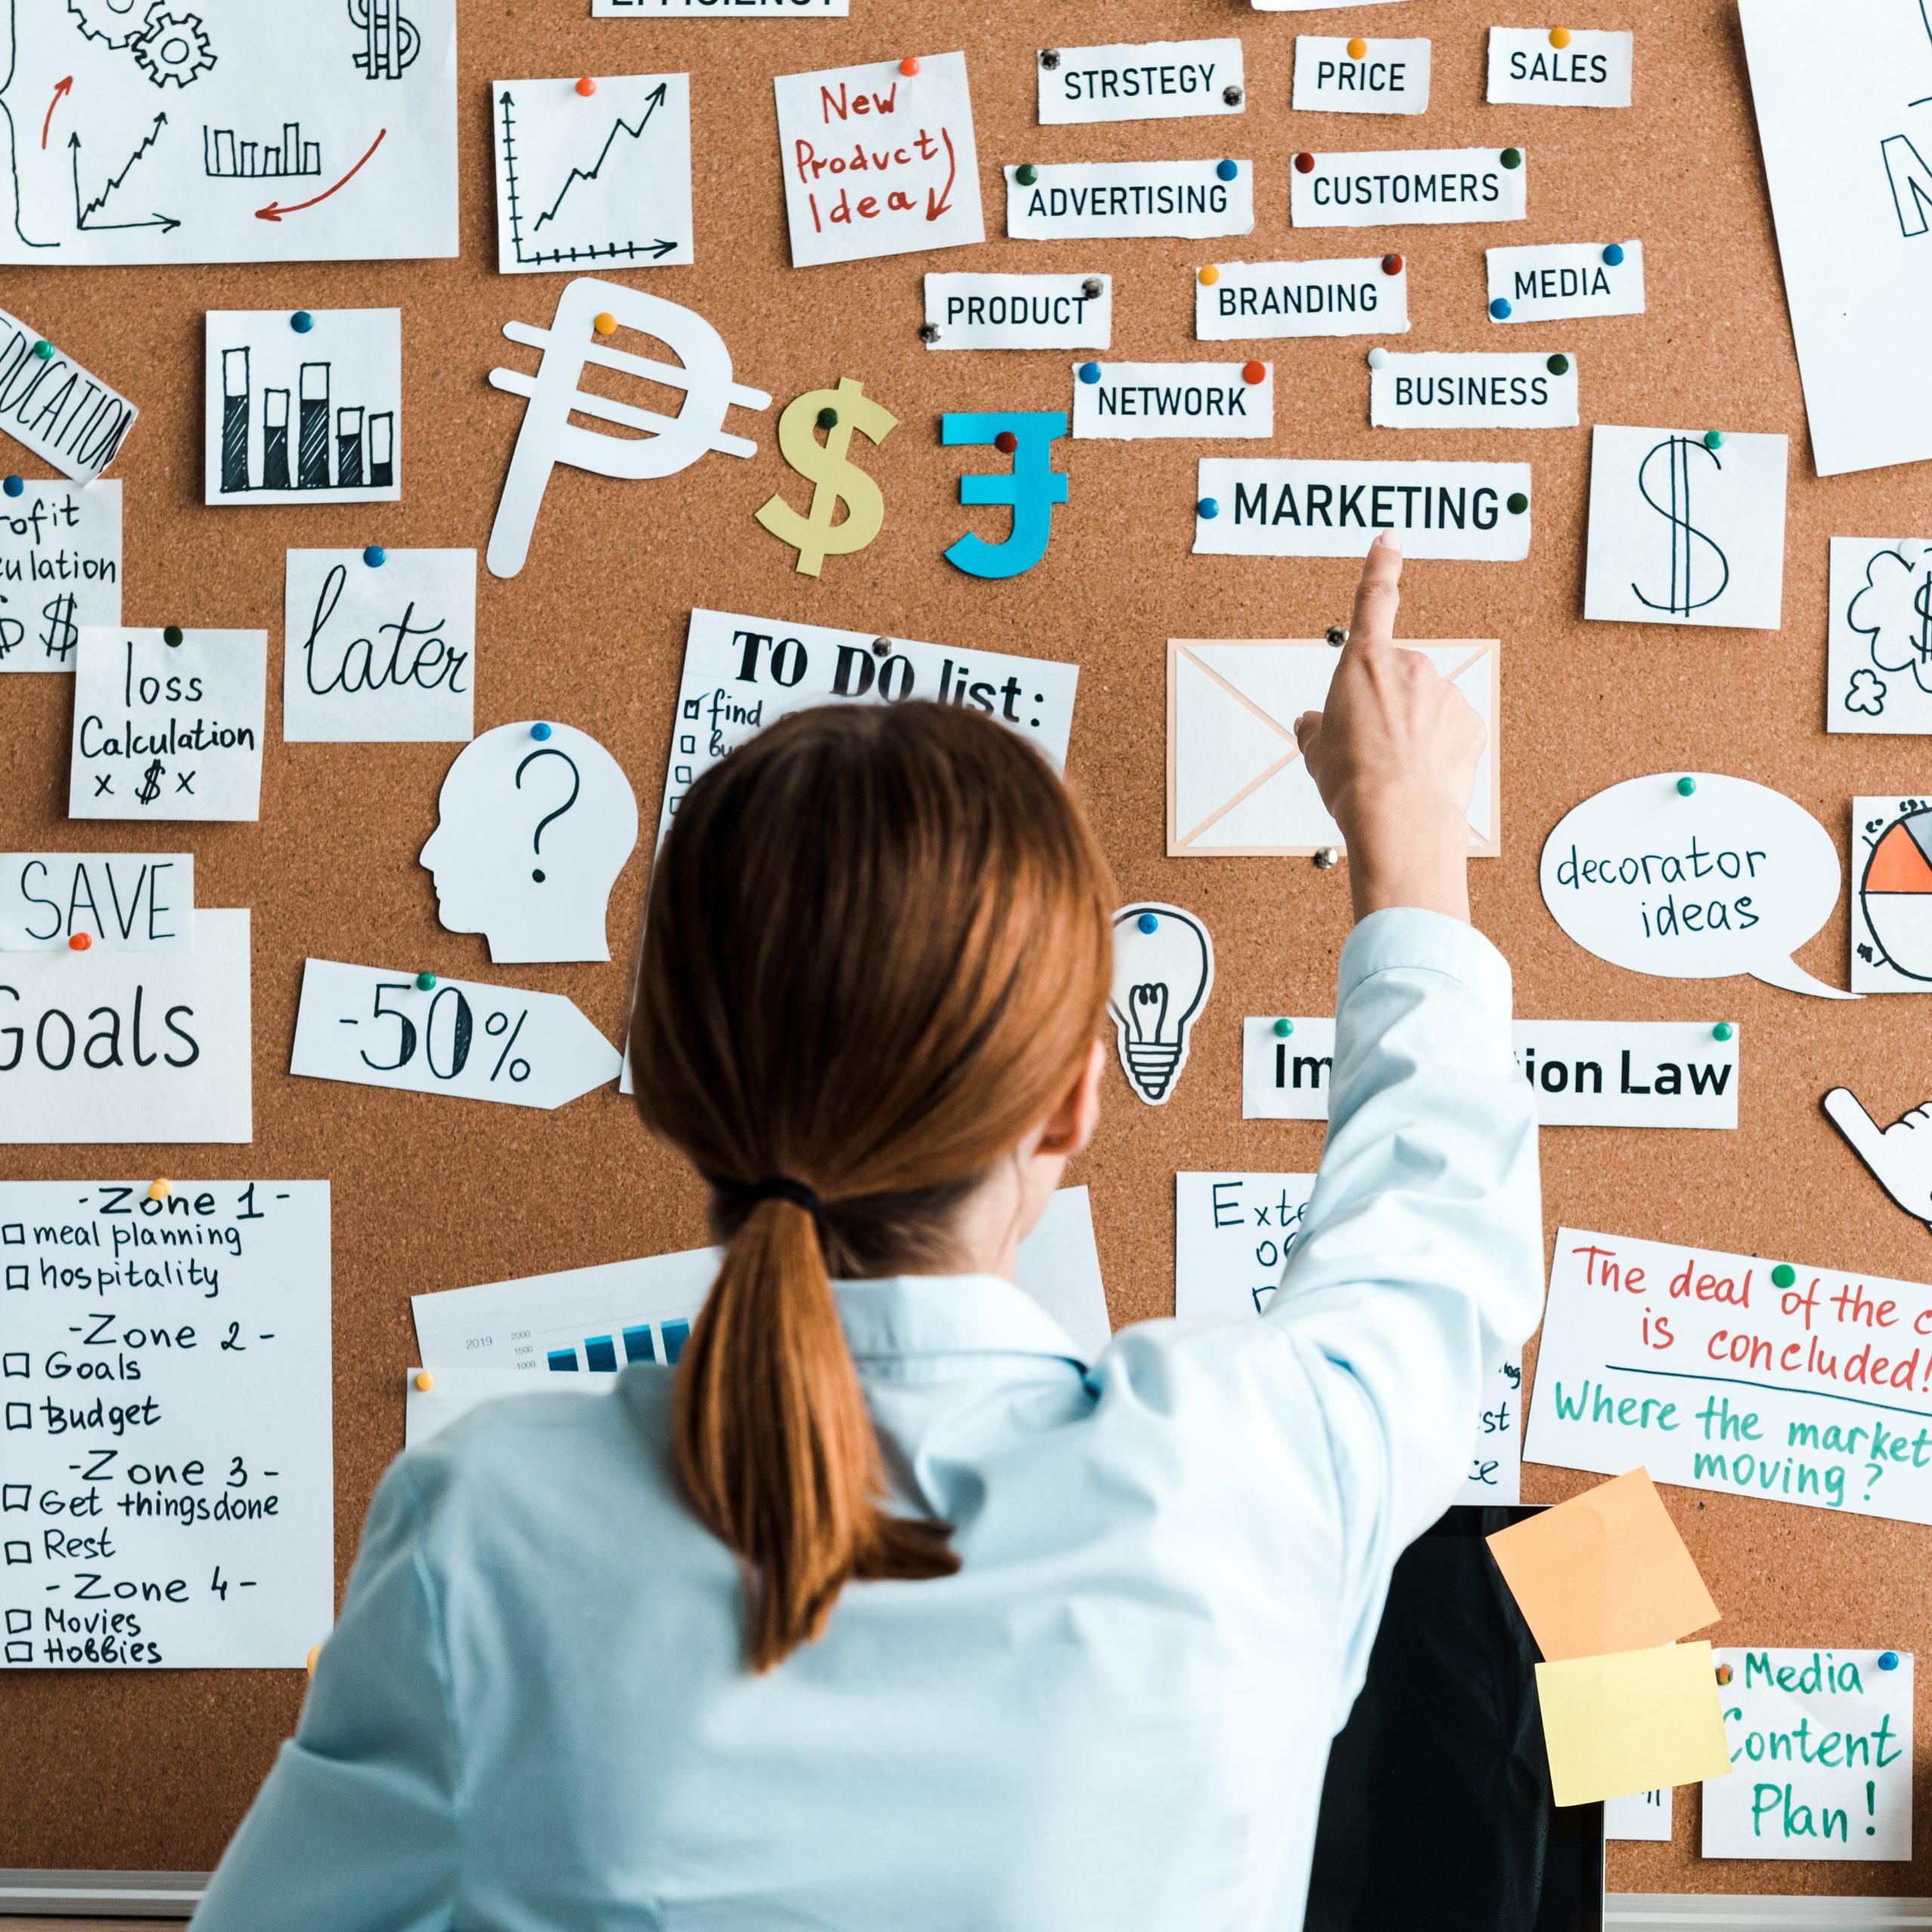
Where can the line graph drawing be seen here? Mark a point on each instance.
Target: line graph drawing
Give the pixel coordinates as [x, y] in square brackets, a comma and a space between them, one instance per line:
[83, 210]
[608, 183]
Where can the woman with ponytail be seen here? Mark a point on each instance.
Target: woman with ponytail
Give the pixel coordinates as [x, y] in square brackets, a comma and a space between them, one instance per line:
[883, 1611]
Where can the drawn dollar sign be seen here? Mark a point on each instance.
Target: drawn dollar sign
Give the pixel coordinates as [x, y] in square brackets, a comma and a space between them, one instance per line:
[1677, 452]
[838, 412]
[150, 784]
[62, 633]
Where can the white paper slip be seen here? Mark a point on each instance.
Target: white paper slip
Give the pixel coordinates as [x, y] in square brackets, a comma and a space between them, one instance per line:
[1388, 77]
[1643, 1817]
[1555, 281]
[459, 1037]
[1879, 641]
[1019, 312]
[178, 131]
[583, 1321]
[118, 902]
[1257, 301]
[452, 1392]
[1073, 200]
[1233, 1234]
[1891, 911]
[155, 1047]
[295, 416]
[1741, 1373]
[742, 673]
[60, 568]
[1154, 80]
[1236, 784]
[378, 652]
[1473, 392]
[1584, 1072]
[54, 406]
[605, 179]
[878, 162]
[1686, 530]
[167, 1487]
[1127, 401]
[1381, 189]
[1286, 506]
[720, 10]
[1305, 6]
[168, 731]
[1821, 1748]
[1589, 69]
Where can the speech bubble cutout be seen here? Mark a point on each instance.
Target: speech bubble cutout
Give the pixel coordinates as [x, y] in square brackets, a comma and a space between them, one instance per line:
[1730, 877]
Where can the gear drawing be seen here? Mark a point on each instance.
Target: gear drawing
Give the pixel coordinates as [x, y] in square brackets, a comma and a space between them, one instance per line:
[115, 24]
[174, 48]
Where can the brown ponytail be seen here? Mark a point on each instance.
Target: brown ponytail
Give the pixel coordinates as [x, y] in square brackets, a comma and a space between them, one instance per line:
[878, 949]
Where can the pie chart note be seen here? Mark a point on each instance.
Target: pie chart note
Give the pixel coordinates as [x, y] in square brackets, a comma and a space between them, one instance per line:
[1897, 894]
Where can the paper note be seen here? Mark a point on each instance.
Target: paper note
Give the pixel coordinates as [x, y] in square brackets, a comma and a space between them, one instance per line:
[1844, 119]
[1072, 201]
[535, 823]
[379, 654]
[1618, 1725]
[879, 162]
[584, 1320]
[454, 1391]
[1685, 532]
[1474, 391]
[743, 673]
[1641, 1817]
[1019, 311]
[1387, 77]
[1233, 1234]
[1304, 6]
[1821, 1742]
[1736, 1373]
[60, 568]
[105, 1048]
[1693, 875]
[605, 179]
[1591, 69]
[1164, 972]
[1154, 80]
[1274, 506]
[1261, 301]
[177, 131]
[1236, 784]
[303, 417]
[1878, 646]
[52, 405]
[1891, 916]
[1556, 281]
[166, 1483]
[1585, 1072]
[1381, 189]
[168, 731]
[720, 10]
[477, 1042]
[1127, 401]
[1606, 1571]
[118, 902]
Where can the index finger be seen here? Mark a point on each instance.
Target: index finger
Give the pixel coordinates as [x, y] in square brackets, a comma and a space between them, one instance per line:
[1378, 596]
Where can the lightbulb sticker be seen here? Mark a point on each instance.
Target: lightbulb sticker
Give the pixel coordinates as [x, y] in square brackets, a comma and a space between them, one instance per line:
[1163, 970]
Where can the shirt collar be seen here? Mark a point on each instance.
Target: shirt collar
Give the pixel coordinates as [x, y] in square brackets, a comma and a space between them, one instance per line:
[926, 1314]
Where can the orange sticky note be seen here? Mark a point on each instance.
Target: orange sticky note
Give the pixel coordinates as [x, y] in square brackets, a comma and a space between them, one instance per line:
[1604, 1572]
[1635, 1721]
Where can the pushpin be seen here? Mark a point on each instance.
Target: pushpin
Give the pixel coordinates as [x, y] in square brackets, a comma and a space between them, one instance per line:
[1208, 509]
[828, 418]
[1328, 858]
[424, 982]
[1357, 48]
[1378, 357]
[1025, 174]
[1148, 923]
[1511, 157]
[605, 323]
[1392, 265]
[1232, 96]
[1208, 278]
[1559, 37]
[1613, 253]
[1252, 373]
[1050, 58]
[315, 1651]
[424, 1381]
[1304, 164]
[171, 636]
[539, 732]
[159, 1190]
[929, 331]
[1006, 442]
[909, 66]
[16, 486]
[1784, 1276]
[1336, 634]
[1714, 439]
[1090, 372]
[43, 352]
[881, 646]
[1499, 309]
[1517, 503]
[375, 556]
[1724, 1673]
[1723, 1030]
[586, 87]
[1283, 1028]
[1226, 171]
[1091, 288]
[79, 942]
[1558, 366]
[301, 322]
[1686, 786]
[1888, 1659]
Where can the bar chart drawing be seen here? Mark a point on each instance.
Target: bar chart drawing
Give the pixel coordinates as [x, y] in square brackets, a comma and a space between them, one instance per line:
[227, 157]
[598, 1353]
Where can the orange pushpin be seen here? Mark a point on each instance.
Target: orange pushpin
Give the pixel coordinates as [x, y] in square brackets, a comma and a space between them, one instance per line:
[1210, 276]
[909, 66]
[79, 942]
[159, 1190]
[1357, 48]
[315, 1651]
[1559, 36]
[606, 323]
[1724, 1673]
[586, 87]
[1252, 373]
[424, 1381]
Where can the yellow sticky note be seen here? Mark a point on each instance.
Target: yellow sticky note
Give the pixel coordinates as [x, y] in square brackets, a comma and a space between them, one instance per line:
[1605, 1571]
[1631, 1722]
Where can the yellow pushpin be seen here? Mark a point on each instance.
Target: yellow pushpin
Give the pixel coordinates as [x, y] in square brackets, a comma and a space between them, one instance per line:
[425, 1381]
[159, 1190]
[315, 1651]
[1210, 276]
[1357, 48]
[1559, 36]
[606, 323]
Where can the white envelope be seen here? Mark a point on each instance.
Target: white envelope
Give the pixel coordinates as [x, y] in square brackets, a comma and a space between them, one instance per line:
[1236, 786]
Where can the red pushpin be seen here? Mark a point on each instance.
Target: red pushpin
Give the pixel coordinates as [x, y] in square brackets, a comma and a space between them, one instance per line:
[909, 66]
[79, 942]
[1253, 372]
[586, 87]
[1304, 164]
[1392, 265]
[1006, 442]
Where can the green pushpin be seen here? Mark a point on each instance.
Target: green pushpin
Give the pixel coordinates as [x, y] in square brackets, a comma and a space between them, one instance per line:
[1283, 1028]
[1512, 157]
[1714, 439]
[1784, 1275]
[425, 981]
[1558, 366]
[1686, 786]
[43, 352]
[828, 419]
[1025, 174]
[172, 635]
[1723, 1030]
[1518, 503]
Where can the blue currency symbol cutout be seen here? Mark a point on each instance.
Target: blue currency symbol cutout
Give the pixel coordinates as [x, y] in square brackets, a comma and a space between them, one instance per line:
[1030, 491]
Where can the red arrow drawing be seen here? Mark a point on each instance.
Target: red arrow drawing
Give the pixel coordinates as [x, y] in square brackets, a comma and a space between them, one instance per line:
[943, 205]
[275, 210]
[60, 87]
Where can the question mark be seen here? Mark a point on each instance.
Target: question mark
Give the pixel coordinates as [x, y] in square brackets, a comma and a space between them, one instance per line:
[577, 785]
[1875, 1471]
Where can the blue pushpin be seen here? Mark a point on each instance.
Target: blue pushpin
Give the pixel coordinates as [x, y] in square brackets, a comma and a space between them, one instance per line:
[1499, 309]
[375, 556]
[1613, 254]
[301, 322]
[539, 732]
[1207, 508]
[1148, 923]
[14, 487]
[1888, 1659]
[1090, 372]
[1226, 171]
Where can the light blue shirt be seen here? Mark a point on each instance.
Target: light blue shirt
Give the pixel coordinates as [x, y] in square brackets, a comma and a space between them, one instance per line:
[533, 1714]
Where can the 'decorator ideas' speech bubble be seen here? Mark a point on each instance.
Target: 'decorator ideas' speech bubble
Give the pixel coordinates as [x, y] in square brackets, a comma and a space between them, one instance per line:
[1726, 877]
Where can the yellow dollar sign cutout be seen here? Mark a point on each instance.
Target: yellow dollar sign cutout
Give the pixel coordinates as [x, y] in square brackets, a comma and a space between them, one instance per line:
[815, 537]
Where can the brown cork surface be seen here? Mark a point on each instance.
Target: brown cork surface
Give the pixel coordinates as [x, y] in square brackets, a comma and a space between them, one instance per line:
[122, 1769]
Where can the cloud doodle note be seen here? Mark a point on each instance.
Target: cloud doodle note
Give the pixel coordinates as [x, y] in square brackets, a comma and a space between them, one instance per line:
[1163, 970]
[60, 568]
[1878, 639]
[602, 178]
[202, 130]
[54, 407]
[535, 823]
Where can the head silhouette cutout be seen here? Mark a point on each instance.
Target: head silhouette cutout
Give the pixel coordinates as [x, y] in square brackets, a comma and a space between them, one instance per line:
[535, 823]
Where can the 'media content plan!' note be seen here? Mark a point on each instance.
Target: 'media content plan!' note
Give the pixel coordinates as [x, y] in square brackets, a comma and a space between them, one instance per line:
[166, 1489]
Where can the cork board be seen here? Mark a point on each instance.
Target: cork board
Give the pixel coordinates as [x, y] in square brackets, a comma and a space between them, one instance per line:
[136, 1770]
